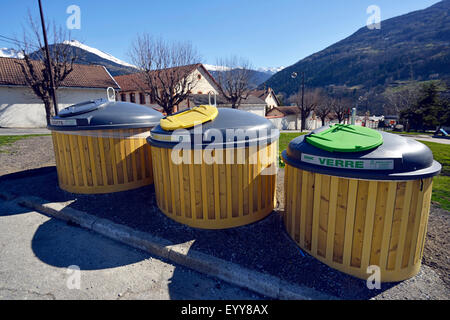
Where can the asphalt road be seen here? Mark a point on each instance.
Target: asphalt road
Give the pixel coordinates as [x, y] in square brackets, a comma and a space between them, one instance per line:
[44, 258]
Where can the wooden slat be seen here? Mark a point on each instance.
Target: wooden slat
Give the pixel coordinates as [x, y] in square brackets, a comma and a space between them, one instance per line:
[388, 223]
[74, 153]
[240, 156]
[378, 222]
[204, 190]
[229, 194]
[424, 218]
[417, 220]
[112, 150]
[95, 174]
[396, 223]
[133, 144]
[411, 219]
[192, 183]
[349, 221]
[82, 157]
[165, 178]
[309, 210]
[245, 183]
[316, 212]
[304, 193]
[323, 216]
[362, 196]
[404, 225]
[293, 210]
[216, 190]
[98, 155]
[341, 220]
[369, 224]
[62, 168]
[181, 190]
[334, 184]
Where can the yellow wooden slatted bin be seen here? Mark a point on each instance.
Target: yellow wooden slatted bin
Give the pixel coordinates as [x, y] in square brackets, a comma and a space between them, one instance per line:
[351, 219]
[236, 191]
[100, 147]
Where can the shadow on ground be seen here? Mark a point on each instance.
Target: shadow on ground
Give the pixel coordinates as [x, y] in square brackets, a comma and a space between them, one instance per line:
[263, 246]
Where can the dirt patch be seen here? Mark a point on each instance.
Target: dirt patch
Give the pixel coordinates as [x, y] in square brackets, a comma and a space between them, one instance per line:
[24, 154]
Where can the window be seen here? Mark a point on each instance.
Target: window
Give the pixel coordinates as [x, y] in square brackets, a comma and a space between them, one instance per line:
[123, 97]
[141, 98]
[132, 97]
[199, 76]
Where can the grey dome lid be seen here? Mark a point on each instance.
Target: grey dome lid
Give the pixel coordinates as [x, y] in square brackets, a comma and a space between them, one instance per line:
[237, 129]
[398, 158]
[102, 114]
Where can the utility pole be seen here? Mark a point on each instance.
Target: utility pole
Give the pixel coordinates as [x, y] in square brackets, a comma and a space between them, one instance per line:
[49, 65]
[303, 88]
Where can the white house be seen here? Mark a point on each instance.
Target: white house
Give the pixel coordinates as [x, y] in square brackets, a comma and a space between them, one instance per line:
[134, 88]
[285, 118]
[268, 95]
[21, 108]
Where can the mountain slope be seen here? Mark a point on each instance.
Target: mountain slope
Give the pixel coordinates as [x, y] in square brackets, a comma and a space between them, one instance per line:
[414, 46]
[257, 77]
[89, 55]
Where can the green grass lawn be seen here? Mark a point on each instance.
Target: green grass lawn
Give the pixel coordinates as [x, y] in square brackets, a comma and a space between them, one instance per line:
[285, 138]
[441, 183]
[8, 140]
[441, 153]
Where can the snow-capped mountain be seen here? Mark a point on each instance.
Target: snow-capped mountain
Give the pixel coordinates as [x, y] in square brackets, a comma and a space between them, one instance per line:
[270, 70]
[104, 55]
[10, 53]
[258, 76]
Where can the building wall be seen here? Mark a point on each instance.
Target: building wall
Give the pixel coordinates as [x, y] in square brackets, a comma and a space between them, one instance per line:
[204, 85]
[259, 110]
[271, 102]
[20, 108]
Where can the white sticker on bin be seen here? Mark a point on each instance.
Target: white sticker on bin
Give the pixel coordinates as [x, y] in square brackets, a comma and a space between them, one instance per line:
[359, 164]
[63, 122]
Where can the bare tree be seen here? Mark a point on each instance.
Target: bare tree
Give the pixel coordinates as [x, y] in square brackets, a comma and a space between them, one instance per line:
[306, 104]
[324, 108]
[234, 79]
[340, 107]
[166, 69]
[34, 64]
[399, 99]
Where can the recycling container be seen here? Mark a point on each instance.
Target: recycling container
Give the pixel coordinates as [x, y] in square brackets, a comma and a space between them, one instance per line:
[100, 146]
[356, 197]
[228, 174]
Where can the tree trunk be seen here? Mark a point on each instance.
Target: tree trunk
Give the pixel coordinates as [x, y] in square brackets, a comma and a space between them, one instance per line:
[49, 111]
[303, 124]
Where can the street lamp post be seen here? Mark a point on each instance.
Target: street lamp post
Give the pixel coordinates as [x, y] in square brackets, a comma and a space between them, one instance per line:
[49, 64]
[293, 76]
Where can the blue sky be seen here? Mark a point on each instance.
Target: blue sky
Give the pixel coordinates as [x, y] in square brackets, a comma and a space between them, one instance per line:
[268, 33]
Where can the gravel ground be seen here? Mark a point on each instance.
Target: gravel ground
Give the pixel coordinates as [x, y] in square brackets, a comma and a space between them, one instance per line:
[263, 246]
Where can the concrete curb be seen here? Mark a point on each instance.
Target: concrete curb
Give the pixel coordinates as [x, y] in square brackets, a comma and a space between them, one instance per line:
[264, 284]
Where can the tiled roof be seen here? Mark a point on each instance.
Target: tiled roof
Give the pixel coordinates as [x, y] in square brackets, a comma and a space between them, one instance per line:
[82, 76]
[262, 94]
[284, 110]
[136, 81]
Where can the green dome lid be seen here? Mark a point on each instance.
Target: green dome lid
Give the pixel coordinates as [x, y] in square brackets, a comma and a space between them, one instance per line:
[346, 138]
